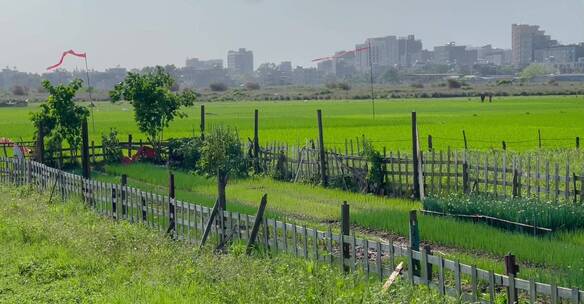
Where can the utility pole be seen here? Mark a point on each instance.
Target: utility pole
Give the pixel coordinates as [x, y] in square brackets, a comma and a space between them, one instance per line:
[371, 78]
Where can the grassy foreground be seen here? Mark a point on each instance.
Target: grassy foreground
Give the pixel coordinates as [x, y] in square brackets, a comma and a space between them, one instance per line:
[558, 258]
[513, 119]
[64, 253]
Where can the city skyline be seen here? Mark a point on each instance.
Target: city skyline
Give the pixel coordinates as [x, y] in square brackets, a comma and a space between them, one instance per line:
[296, 31]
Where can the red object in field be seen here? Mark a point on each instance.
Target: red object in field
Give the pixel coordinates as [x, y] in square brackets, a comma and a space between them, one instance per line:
[6, 141]
[145, 153]
[126, 160]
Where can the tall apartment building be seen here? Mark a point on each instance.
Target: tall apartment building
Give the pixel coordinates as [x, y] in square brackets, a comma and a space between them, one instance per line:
[409, 50]
[384, 52]
[240, 62]
[526, 39]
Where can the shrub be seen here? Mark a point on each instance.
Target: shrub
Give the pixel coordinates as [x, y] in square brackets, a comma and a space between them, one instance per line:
[454, 84]
[376, 173]
[112, 150]
[186, 152]
[218, 87]
[19, 90]
[344, 86]
[252, 86]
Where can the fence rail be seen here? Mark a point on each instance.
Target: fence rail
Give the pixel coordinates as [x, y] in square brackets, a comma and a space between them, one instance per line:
[376, 259]
[497, 173]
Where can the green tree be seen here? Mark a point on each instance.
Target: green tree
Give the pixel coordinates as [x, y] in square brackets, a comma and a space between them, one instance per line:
[155, 105]
[59, 117]
[534, 70]
[222, 156]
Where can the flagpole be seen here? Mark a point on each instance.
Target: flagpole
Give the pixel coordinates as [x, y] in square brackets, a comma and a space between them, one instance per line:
[89, 91]
[371, 79]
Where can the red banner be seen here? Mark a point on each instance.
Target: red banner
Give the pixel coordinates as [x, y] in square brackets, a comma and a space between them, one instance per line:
[69, 52]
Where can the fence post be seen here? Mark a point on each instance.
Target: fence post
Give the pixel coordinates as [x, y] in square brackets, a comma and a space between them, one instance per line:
[40, 146]
[345, 231]
[129, 145]
[171, 203]
[539, 137]
[85, 150]
[202, 122]
[256, 142]
[414, 240]
[123, 195]
[465, 141]
[511, 269]
[415, 157]
[114, 207]
[515, 183]
[430, 143]
[465, 179]
[428, 265]
[577, 142]
[256, 225]
[93, 152]
[321, 148]
[504, 146]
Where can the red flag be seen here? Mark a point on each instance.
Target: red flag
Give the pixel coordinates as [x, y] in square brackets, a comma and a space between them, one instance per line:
[69, 52]
[341, 54]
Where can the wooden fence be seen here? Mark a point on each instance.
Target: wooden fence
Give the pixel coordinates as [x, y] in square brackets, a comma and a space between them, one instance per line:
[348, 252]
[547, 176]
[551, 175]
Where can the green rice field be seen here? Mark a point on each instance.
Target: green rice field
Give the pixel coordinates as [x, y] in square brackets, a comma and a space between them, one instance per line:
[515, 120]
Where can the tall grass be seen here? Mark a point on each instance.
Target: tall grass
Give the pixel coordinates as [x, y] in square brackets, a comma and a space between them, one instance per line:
[64, 253]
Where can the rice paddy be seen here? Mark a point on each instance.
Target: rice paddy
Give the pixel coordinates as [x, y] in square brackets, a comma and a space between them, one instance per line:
[515, 120]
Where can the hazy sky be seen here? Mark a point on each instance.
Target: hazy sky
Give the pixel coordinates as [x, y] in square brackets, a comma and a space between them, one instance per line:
[135, 33]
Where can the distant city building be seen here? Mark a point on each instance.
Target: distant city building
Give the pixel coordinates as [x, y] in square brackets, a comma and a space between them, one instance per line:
[560, 54]
[240, 62]
[197, 64]
[454, 54]
[285, 71]
[409, 50]
[526, 40]
[489, 55]
[326, 67]
[307, 76]
[384, 52]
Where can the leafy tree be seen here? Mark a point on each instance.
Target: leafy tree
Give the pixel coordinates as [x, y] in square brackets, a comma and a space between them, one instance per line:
[155, 105]
[60, 118]
[222, 156]
[19, 90]
[534, 70]
[390, 76]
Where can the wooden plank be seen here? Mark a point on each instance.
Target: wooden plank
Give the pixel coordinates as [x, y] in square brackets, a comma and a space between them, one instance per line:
[394, 275]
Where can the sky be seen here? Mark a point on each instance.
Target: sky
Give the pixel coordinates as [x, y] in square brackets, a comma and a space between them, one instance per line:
[137, 33]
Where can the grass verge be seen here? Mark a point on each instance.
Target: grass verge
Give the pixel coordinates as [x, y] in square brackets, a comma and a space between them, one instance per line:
[65, 253]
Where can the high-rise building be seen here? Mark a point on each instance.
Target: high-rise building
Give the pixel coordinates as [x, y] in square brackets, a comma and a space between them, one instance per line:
[240, 62]
[384, 52]
[526, 39]
[409, 49]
